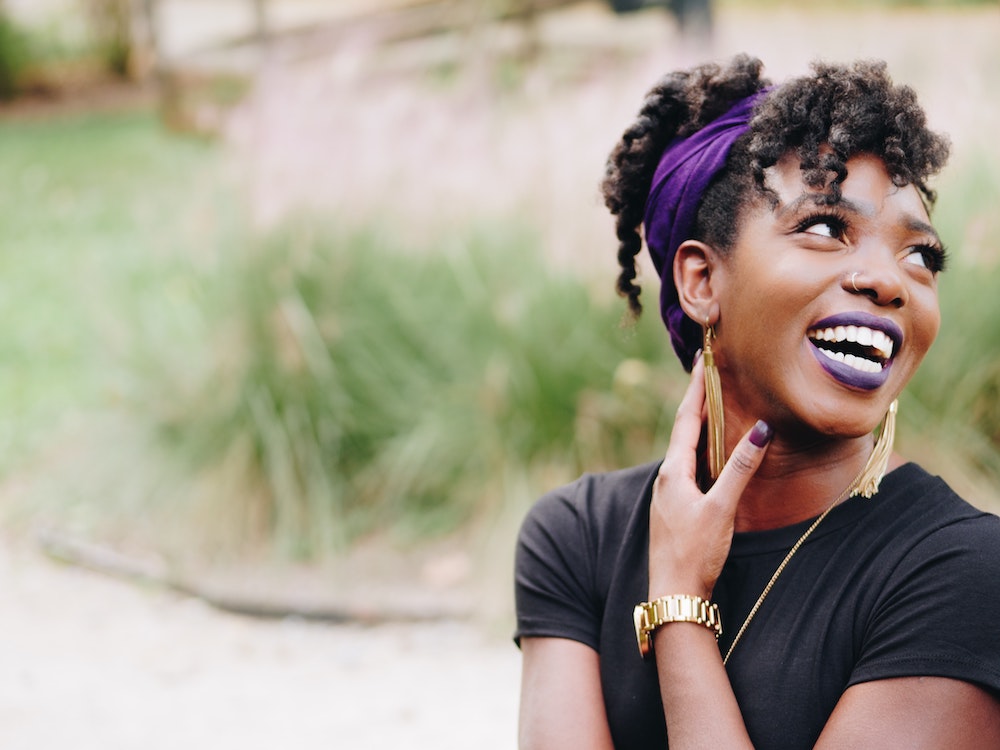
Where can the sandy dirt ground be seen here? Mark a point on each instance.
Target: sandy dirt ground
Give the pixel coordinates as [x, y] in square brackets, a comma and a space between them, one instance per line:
[94, 663]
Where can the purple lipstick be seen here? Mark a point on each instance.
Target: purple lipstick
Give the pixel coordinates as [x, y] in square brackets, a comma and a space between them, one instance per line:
[855, 348]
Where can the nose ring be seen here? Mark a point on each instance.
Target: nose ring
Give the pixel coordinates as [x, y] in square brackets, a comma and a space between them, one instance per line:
[854, 276]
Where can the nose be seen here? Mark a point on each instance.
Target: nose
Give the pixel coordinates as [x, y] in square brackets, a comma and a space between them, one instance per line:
[879, 279]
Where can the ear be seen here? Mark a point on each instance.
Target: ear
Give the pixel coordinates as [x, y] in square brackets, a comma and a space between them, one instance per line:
[694, 266]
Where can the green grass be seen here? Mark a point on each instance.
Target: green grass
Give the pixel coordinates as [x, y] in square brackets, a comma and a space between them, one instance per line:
[375, 385]
[297, 391]
[92, 208]
[379, 385]
[304, 388]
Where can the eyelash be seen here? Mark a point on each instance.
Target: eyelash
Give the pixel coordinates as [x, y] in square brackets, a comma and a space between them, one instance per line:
[935, 256]
[836, 220]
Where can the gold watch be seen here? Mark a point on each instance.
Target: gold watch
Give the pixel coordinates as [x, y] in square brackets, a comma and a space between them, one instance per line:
[648, 616]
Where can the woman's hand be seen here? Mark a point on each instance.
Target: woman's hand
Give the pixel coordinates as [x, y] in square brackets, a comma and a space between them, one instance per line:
[690, 532]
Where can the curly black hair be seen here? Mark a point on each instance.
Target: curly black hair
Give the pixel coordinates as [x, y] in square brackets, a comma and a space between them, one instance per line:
[824, 118]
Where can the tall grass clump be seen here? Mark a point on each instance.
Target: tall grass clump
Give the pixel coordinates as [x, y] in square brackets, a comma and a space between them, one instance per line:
[957, 390]
[954, 399]
[366, 384]
[346, 381]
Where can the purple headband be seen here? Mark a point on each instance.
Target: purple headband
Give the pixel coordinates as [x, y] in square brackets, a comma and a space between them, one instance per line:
[682, 176]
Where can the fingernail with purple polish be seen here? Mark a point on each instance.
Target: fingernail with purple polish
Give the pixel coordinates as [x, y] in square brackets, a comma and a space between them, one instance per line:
[761, 433]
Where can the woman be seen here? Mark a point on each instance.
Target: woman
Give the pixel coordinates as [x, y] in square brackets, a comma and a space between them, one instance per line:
[857, 596]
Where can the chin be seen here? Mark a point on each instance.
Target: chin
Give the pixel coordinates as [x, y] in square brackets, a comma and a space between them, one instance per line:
[837, 420]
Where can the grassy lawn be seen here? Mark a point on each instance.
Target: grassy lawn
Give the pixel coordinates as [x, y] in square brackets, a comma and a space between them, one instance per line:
[95, 211]
[294, 367]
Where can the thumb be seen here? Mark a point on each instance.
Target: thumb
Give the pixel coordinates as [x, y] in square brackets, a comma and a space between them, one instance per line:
[744, 461]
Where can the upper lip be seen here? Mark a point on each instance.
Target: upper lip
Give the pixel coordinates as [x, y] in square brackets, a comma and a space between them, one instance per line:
[864, 329]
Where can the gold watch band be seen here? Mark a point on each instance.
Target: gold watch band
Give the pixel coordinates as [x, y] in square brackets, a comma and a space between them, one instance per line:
[648, 616]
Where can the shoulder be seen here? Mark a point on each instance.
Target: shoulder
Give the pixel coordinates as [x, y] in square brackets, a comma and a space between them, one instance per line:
[934, 534]
[937, 606]
[595, 501]
[567, 550]
[932, 515]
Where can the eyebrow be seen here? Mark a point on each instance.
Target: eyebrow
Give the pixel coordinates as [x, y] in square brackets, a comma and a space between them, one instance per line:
[864, 209]
[912, 223]
[918, 225]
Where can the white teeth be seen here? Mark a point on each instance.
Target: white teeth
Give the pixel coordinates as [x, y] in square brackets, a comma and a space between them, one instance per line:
[861, 335]
[858, 363]
[883, 343]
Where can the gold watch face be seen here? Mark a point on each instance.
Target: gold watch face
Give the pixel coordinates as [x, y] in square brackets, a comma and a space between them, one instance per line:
[641, 634]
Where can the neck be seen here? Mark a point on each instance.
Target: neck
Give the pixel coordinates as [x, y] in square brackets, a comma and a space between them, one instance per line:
[795, 483]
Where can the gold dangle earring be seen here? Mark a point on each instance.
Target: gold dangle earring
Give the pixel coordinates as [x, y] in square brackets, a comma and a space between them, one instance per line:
[871, 476]
[713, 399]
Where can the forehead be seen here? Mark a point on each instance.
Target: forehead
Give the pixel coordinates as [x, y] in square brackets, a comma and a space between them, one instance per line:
[868, 189]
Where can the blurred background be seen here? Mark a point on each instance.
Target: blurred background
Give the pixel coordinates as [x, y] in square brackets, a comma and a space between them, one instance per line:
[306, 301]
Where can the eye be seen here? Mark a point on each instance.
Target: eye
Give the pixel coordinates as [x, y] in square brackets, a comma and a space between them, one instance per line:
[823, 226]
[931, 257]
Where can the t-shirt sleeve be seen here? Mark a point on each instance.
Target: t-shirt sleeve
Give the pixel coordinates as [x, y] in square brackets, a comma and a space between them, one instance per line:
[939, 615]
[554, 581]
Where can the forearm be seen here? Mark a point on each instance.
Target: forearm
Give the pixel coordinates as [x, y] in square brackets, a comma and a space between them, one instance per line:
[561, 701]
[698, 701]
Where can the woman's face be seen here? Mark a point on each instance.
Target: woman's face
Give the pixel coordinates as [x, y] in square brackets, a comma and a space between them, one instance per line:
[798, 344]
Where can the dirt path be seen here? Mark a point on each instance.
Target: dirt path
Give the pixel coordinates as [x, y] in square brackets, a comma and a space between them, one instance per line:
[96, 664]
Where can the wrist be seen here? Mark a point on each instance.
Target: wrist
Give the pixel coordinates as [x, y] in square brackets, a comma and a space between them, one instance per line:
[676, 608]
[666, 585]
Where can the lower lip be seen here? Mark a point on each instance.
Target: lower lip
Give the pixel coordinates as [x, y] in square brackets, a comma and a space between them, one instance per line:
[866, 381]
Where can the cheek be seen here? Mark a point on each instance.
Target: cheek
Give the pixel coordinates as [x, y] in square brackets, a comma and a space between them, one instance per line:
[932, 330]
[928, 322]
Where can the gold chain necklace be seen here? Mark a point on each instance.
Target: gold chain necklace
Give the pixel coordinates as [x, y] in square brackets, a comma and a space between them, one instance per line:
[791, 553]
[865, 483]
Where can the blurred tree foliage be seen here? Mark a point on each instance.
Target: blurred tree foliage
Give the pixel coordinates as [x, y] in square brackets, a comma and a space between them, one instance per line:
[111, 27]
[14, 56]
[35, 56]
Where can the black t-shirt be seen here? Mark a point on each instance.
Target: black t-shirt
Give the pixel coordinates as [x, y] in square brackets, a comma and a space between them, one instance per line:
[904, 584]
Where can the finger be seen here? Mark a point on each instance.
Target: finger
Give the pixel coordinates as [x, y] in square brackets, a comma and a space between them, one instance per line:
[743, 463]
[686, 431]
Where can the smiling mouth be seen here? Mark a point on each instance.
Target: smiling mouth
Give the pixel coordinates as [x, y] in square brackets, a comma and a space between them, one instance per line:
[859, 347]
